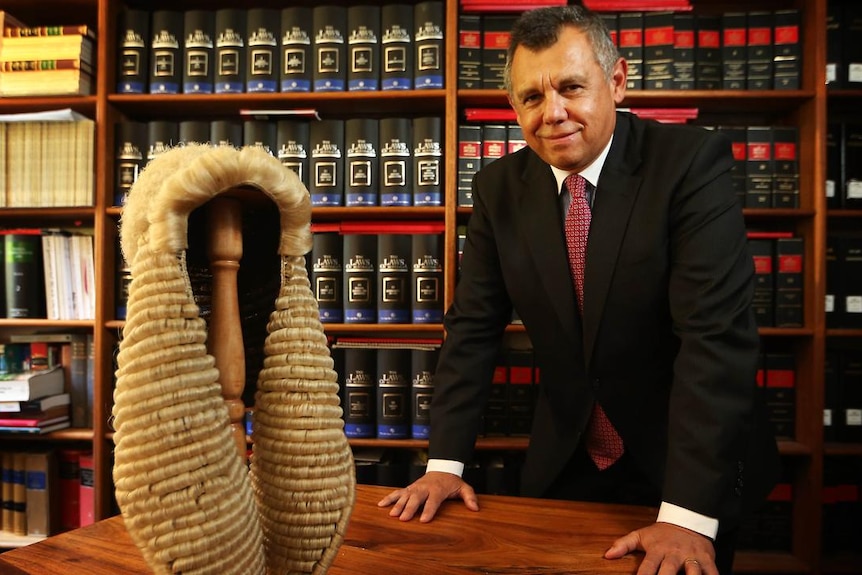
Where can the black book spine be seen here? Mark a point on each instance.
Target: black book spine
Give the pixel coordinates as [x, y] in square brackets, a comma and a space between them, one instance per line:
[130, 140]
[429, 23]
[226, 133]
[495, 42]
[851, 48]
[514, 138]
[469, 51]
[194, 131]
[199, 34]
[496, 418]
[739, 148]
[162, 135]
[396, 57]
[360, 392]
[428, 161]
[363, 42]
[361, 139]
[292, 139]
[759, 167]
[166, 52]
[360, 278]
[393, 278]
[326, 165]
[24, 275]
[787, 50]
[262, 51]
[851, 266]
[834, 165]
[759, 54]
[831, 395]
[494, 140]
[260, 134]
[521, 393]
[707, 55]
[734, 47]
[396, 163]
[611, 22]
[469, 161]
[134, 57]
[834, 281]
[834, 46]
[683, 52]
[230, 51]
[763, 302]
[327, 275]
[851, 396]
[426, 275]
[852, 143]
[329, 24]
[780, 388]
[785, 187]
[658, 50]
[789, 260]
[121, 287]
[631, 47]
[423, 365]
[296, 60]
[393, 393]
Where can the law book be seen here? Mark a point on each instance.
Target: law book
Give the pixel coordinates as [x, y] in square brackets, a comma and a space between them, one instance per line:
[296, 56]
[69, 488]
[329, 23]
[470, 33]
[834, 46]
[162, 135]
[427, 278]
[834, 165]
[263, 56]
[851, 49]
[496, 34]
[684, 46]
[763, 300]
[360, 278]
[396, 43]
[521, 394]
[734, 50]
[739, 149]
[423, 365]
[123, 280]
[166, 52]
[631, 46]
[759, 167]
[91, 378]
[35, 406]
[831, 395]
[46, 65]
[327, 275]
[658, 50]
[494, 140]
[41, 493]
[133, 36]
[226, 133]
[30, 385]
[292, 141]
[514, 138]
[851, 396]
[785, 181]
[707, 54]
[611, 22]
[7, 461]
[780, 393]
[469, 161]
[24, 273]
[193, 132]
[87, 495]
[260, 134]
[361, 165]
[199, 51]
[393, 278]
[495, 418]
[363, 47]
[360, 392]
[851, 278]
[41, 31]
[130, 147]
[834, 300]
[429, 51]
[396, 162]
[852, 145]
[230, 51]
[78, 381]
[18, 476]
[393, 393]
[326, 165]
[428, 161]
[789, 262]
[759, 73]
[787, 49]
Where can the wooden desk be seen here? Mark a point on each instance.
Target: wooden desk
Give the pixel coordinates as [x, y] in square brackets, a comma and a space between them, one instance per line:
[508, 535]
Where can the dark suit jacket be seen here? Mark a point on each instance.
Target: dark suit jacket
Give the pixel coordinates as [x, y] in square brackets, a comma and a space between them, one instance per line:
[667, 342]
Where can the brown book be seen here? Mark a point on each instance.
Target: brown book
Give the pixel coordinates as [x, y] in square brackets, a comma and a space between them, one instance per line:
[28, 31]
[67, 82]
[72, 46]
[45, 65]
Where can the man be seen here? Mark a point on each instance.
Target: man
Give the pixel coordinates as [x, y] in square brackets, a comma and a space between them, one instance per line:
[665, 345]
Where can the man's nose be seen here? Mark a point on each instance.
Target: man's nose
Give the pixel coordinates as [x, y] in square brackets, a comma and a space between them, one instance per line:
[555, 109]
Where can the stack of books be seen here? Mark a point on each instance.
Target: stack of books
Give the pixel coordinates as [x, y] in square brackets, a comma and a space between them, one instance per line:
[47, 60]
[33, 402]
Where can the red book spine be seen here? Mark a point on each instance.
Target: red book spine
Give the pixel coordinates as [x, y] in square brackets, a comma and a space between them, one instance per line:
[87, 494]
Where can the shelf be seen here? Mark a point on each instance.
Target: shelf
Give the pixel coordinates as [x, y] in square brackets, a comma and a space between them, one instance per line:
[789, 447]
[85, 105]
[843, 449]
[29, 216]
[839, 214]
[47, 324]
[482, 443]
[843, 332]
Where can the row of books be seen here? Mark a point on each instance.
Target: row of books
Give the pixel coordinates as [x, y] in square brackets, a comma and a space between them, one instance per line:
[778, 273]
[844, 280]
[756, 50]
[296, 49]
[47, 273]
[42, 405]
[842, 504]
[47, 60]
[844, 165]
[842, 384]
[46, 164]
[33, 384]
[46, 492]
[843, 52]
[355, 162]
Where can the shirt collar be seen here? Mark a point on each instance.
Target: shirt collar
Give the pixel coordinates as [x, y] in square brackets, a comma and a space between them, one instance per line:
[590, 173]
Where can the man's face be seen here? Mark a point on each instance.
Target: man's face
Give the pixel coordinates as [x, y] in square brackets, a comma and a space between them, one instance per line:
[565, 104]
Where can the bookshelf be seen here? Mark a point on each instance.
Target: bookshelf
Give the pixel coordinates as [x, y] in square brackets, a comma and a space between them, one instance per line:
[805, 108]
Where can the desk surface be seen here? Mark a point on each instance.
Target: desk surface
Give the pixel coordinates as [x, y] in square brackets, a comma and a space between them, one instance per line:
[509, 535]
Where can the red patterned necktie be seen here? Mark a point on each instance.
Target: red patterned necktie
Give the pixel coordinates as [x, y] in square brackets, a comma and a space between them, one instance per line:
[603, 442]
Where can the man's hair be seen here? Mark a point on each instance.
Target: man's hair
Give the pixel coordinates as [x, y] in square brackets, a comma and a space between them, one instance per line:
[540, 28]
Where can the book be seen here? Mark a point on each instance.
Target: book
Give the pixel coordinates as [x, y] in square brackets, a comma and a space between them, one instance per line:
[521, 393]
[393, 393]
[46, 417]
[36, 429]
[230, 51]
[470, 34]
[495, 43]
[426, 278]
[631, 46]
[759, 167]
[327, 275]
[326, 165]
[396, 43]
[759, 73]
[23, 273]
[329, 23]
[428, 161]
[358, 388]
[193, 131]
[360, 277]
[166, 52]
[423, 364]
[18, 474]
[31, 385]
[198, 52]
[469, 161]
[393, 278]
[292, 141]
[396, 164]
[41, 493]
[834, 164]
[734, 50]
[851, 51]
[259, 134]
[63, 47]
[130, 148]
[87, 495]
[834, 300]
[7, 462]
[69, 487]
[58, 82]
[852, 162]
[133, 36]
[834, 46]
[361, 175]
[763, 302]
[429, 50]
[851, 396]
[262, 73]
[34, 406]
[780, 392]
[787, 49]
[363, 47]
[41, 31]
[226, 133]
[494, 142]
[785, 180]
[658, 50]
[707, 53]
[296, 57]
[851, 279]
[684, 42]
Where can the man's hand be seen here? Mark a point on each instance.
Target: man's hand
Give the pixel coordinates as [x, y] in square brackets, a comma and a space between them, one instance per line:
[669, 550]
[430, 490]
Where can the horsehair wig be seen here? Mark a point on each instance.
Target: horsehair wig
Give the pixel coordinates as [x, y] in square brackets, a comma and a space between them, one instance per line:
[187, 499]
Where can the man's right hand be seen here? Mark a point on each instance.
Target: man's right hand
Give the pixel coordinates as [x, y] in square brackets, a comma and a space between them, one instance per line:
[430, 490]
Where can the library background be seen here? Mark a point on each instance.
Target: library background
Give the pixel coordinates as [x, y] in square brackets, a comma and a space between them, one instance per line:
[90, 90]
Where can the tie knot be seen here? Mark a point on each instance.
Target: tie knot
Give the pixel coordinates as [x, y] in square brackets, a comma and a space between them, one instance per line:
[576, 185]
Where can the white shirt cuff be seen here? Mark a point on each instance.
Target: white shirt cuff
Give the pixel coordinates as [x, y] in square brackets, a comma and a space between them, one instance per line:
[670, 513]
[447, 465]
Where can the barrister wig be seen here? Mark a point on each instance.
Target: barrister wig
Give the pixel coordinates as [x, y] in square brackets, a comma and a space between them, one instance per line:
[189, 501]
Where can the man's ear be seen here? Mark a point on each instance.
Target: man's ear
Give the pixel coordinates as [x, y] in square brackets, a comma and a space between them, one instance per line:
[619, 75]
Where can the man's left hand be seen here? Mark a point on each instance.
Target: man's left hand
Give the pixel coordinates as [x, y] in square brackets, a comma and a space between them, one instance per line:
[669, 549]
